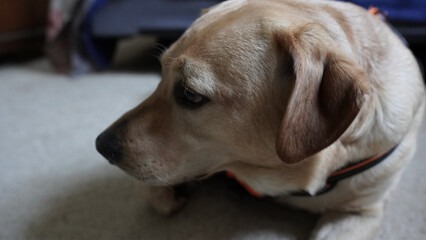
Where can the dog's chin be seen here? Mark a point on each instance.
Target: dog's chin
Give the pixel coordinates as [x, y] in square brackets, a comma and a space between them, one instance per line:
[158, 179]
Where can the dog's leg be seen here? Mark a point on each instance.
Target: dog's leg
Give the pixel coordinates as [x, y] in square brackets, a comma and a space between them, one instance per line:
[165, 200]
[348, 225]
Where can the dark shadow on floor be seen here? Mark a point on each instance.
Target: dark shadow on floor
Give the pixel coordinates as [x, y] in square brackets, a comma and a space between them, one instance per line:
[111, 208]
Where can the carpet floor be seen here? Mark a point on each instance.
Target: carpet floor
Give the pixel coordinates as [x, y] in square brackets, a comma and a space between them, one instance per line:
[54, 185]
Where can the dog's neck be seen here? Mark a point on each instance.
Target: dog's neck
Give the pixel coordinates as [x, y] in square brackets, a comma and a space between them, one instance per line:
[342, 173]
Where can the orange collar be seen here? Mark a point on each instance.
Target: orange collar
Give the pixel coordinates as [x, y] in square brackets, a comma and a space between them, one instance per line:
[244, 185]
[342, 173]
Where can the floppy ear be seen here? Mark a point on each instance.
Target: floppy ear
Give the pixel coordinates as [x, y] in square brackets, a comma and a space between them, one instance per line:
[328, 91]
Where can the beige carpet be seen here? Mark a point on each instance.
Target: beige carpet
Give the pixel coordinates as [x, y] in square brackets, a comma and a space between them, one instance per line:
[54, 185]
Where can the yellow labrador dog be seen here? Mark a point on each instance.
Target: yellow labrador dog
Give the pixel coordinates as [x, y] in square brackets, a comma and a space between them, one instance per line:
[314, 103]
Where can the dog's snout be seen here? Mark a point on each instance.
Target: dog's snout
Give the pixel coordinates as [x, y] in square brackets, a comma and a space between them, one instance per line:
[108, 146]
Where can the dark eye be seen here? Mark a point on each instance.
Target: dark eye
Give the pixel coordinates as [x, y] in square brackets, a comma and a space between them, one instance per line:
[188, 97]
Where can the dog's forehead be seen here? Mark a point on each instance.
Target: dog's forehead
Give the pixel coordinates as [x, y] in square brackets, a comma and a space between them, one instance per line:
[224, 22]
[219, 38]
[231, 23]
[229, 45]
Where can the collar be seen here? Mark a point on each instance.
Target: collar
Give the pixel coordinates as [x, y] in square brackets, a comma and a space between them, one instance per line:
[334, 178]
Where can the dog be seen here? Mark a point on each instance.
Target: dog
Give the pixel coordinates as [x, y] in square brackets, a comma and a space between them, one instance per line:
[284, 95]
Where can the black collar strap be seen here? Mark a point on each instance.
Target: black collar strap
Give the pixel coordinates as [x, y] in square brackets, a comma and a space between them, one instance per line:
[347, 172]
[331, 182]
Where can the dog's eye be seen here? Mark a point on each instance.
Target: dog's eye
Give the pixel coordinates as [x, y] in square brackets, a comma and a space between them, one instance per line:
[188, 97]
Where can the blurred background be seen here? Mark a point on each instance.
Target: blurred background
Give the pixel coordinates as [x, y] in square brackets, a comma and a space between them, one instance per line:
[79, 36]
[69, 68]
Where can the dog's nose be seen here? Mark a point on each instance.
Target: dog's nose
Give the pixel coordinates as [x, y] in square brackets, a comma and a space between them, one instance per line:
[108, 146]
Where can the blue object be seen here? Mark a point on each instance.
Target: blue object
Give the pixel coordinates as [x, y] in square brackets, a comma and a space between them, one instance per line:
[128, 17]
[96, 54]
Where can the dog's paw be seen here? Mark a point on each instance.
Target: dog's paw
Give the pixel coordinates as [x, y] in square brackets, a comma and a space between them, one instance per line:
[164, 200]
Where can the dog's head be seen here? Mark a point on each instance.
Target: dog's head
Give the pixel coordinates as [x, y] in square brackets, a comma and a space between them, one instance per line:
[240, 86]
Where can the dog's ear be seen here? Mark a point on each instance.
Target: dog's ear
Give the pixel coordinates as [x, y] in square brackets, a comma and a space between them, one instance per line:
[328, 91]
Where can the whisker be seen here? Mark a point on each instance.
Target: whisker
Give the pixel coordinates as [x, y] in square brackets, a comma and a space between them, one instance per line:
[159, 50]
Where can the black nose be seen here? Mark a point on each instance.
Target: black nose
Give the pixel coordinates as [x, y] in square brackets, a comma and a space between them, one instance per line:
[108, 146]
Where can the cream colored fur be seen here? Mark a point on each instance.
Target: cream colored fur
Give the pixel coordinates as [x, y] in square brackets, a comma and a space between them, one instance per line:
[230, 54]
